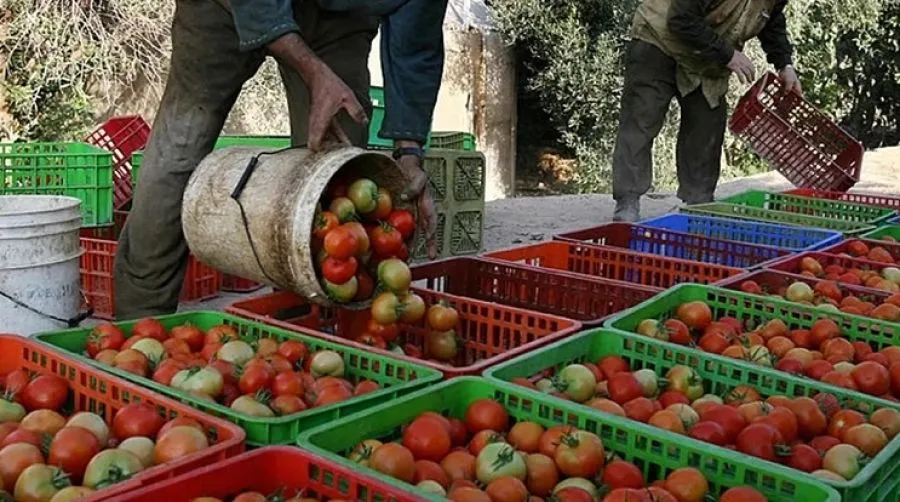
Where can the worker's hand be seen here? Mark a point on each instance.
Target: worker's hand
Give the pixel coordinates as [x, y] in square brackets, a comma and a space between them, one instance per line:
[788, 77]
[328, 96]
[417, 190]
[741, 65]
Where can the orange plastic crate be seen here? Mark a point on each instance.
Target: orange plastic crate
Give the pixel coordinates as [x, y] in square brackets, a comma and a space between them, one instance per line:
[201, 282]
[490, 333]
[268, 470]
[585, 299]
[614, 263]
[104, 394]
[121, 136]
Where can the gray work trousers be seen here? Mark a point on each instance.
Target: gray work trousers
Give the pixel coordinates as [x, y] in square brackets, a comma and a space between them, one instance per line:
[205, 77]
[649, 88]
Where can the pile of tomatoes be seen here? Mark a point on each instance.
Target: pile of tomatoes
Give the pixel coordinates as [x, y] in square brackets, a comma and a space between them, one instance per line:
[354, 238]
[258, 377]
[888, 253]
[486, 458]
[46, 456]
[815, 435]
[866, 272]
[829, 295]
[820, 352]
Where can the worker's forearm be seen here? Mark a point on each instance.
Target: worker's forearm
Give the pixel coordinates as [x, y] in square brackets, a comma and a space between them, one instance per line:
[291, 50]
[687, 22]
[774, 38]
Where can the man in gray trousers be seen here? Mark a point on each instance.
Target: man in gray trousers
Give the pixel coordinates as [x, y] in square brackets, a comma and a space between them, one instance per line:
[322, 47]
[687, 50]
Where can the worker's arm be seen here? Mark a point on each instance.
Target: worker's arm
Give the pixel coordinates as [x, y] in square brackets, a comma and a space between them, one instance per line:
[774, 38]
[687, 21]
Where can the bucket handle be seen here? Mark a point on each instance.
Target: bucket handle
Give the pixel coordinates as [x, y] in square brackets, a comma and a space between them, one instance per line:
[72, 322]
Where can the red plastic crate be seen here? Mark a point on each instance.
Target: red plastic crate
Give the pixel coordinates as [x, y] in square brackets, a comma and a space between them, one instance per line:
[201, 282]
[267, 470]
[490, 333]
[792, 264]
[121, 136]
[869, 199]
[613, 263]
[234, 284]
[105, 394]
[776, 281]
[844, 247]
[586, 299]
[796, 138]
[663, 242]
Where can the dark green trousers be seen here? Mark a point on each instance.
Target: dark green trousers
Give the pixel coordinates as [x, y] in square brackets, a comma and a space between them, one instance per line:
[205, 77]
[649, 89]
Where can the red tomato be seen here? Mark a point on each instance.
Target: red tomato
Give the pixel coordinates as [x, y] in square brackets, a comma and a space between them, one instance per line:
[458, 433]
[804, 458]
[71, 450]
[386, 241]
[403, 221]
[191, 335]
[785, 421]
[622, 474]
[105, 336]
[167, 370]
[742, 494]
[293, 351]
[687, 485]
[624, 387]
[486, 414]
[610, 365]
[387, 332]
[220, 334]
[678, 332]
[640, 409]
[759, 440]
[149, 328]
[394, 460]
[339, 271]
[176, 422]
[671, 397]
[47, 392]
[525, 436]
[287, 384]
[372, 341]
[824, 443]
[710, 432]
[871, 378]
[254, 379]
[326, 221]
[341, 243]
[811, 421]
[426, 470]
[483, 438]
[842, 421]
[696, 315]
[365, 387]
[580, 454]
[137, 419]
[427, 439]
[287, 405]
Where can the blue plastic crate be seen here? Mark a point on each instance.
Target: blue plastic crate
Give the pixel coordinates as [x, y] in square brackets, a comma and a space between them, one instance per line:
[895, 220]
[788, 237]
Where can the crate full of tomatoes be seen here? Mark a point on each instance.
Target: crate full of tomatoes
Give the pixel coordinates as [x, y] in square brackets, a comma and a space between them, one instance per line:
[472, 439]
[273, 383]
[69, 431]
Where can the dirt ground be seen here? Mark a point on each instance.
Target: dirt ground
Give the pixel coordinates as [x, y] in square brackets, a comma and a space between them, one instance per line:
[529, 219]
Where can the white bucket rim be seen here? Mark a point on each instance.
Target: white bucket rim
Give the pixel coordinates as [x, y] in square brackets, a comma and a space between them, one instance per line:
[63, 202]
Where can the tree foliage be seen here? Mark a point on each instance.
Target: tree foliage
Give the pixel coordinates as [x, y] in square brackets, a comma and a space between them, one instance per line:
[571, 54]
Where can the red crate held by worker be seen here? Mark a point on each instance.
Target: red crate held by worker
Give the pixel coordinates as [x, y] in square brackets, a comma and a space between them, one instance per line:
[121, 136]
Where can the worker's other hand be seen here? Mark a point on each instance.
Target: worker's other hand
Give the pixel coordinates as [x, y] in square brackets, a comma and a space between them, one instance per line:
[741, 65]
[417, 190]
[788, 77]
[328, 96]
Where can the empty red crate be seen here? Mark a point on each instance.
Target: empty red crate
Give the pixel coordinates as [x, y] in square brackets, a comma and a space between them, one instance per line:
[585, 299]
[201, 282]
[614, 263]
[869, 199]
[489, 332]
[276, 469]
[234, 284]
[104, 394]
[663, 242]
[121, 136]
[796, 138]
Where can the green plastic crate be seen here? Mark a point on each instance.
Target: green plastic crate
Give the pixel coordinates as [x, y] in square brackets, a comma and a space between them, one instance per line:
[822, 208]
[879, 480]
[728, 210]
[885, 231]
[72, 169]
[656, 454]
[459, 233]
[395, 376]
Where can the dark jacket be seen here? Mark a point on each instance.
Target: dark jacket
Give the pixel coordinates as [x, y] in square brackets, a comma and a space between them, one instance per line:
[412, 51]
[687, 22]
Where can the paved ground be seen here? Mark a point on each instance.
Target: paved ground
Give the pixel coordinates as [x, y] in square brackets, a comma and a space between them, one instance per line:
[515, 221]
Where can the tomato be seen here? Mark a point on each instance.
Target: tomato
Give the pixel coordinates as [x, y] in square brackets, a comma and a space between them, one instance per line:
[468, 494]
[210, 351]
[191, 335]
[824, 443]
[442, 346]
[442, 317]
[685, 380]
[640, 409]
[888, 420]
[72, 493]
[427, 470]
[226, 369]
[250, 497]
[325, 222]
[200, 381]
[71, 450]
[412, 308]
[842, 421]
[174, 346]
[326, 363]
[696, 315]
[394, 460]
[822, 330]
[21, 435]
[622, 474]
[278, 363]
[11, 411]
[804, 458]
[179, 442]
[742, 494]
[341, 293]
[383, 206]
[482, 439]
[427, 439]
[761, 440]
[344, 209]
[843, 460]
[104, 336]
[551, 438]
[110, 467]
[40, 483]
[459, 465]
[486, 414]
[137, 419]
[365, 387]
[364, 195]
[287, 384]
[45, 392]
[871, 378]
[542, 474]
[577, 382]
[339, 271]
[362, 452]
[709, 432]
[624, 387]
[149, 328]
[365, 286]
[811, 422]
[575, 494]
[667, 420]
[526, 436]
[714, 343]
[678, 331]
[498, 460]
[287, 405]
[785, 421]
[387, 332]
[220, 334]
[341, 243]
[254, 379]
[580, 454]
[867, 437]
[386, 241]
[386, 308]
[507, 489]
[293, 350]
[742, 394]
[687, 485]
[659, 494]
[93, 423]
[15, 458]
[403, 221]
[43, 422]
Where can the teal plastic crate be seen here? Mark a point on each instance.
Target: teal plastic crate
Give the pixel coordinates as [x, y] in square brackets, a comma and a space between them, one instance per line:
[395, 376]
[810, 206]
[72, 169]
[656, 454]
[879, 480]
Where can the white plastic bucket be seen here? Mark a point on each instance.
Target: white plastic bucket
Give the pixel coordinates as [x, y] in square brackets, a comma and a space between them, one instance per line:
[39, 263]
